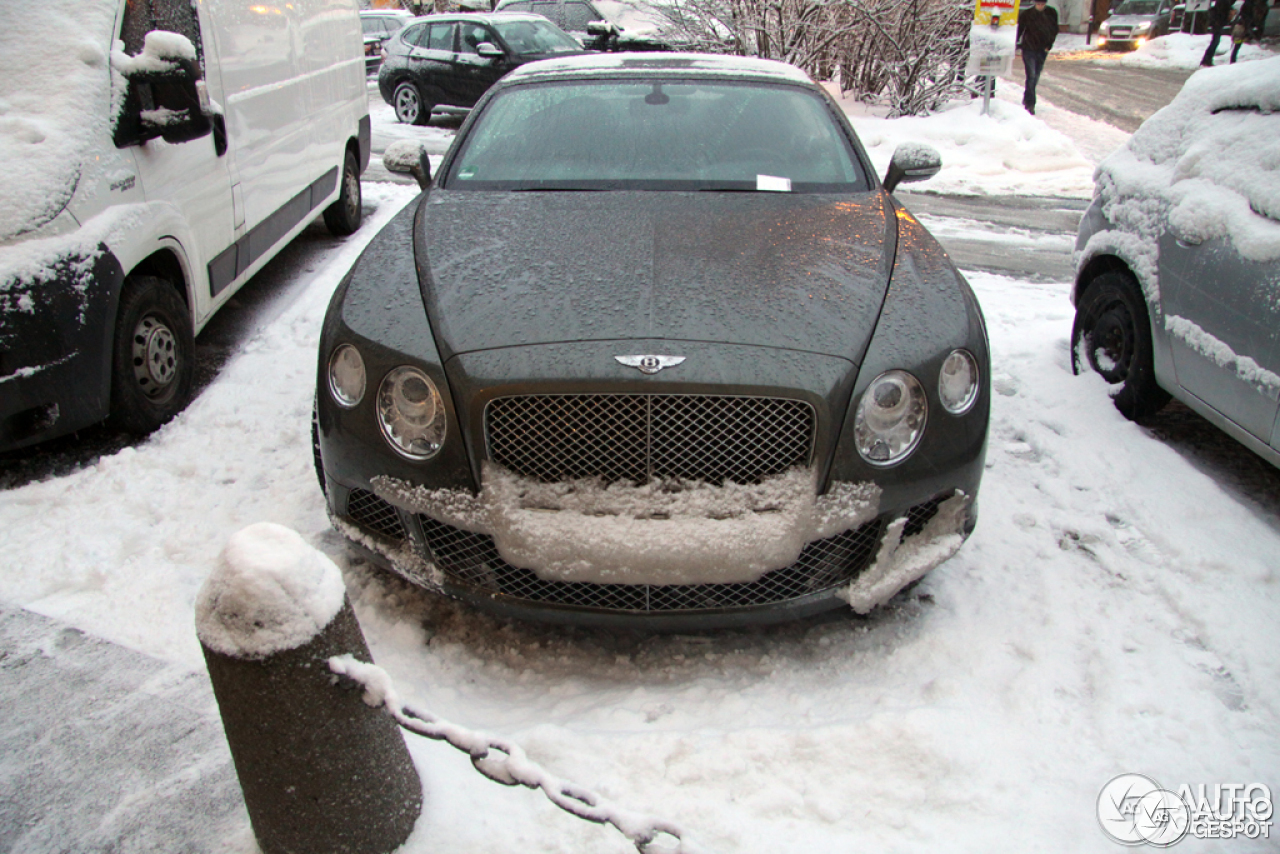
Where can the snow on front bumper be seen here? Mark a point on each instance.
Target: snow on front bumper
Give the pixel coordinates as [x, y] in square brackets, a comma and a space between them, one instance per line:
[667, 532]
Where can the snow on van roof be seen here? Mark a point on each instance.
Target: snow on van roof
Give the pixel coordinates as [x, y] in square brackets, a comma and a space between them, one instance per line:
[690, 64]
[55, 103]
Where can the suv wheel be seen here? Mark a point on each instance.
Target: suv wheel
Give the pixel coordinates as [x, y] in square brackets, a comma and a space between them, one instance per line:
[411, 107]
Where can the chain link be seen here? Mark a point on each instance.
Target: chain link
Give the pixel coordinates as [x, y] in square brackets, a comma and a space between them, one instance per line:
[505, 762]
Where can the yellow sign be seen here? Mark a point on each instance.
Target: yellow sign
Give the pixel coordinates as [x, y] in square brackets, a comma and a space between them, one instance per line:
[1004, 11]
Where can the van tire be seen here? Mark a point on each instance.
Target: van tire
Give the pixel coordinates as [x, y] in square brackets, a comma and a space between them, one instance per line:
[152, 356]
[343, 216]
[411, 108]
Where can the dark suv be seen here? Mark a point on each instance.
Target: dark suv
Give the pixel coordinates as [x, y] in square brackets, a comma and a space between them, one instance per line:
[451, 60]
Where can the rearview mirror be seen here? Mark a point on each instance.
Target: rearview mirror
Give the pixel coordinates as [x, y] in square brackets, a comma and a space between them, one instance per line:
[912, 161]
[409, 158]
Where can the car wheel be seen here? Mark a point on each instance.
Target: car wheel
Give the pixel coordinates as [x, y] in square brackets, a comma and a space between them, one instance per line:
[411, 107]
[1112, 336]
[153, 356]
[315, 448]
[343, 216]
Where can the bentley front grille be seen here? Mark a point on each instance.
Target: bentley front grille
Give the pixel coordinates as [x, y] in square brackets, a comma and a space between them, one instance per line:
[375, 514]
[471, 560]
[642, 437]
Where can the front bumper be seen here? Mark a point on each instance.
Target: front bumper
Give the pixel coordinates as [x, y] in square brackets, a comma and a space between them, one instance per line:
[55, 344]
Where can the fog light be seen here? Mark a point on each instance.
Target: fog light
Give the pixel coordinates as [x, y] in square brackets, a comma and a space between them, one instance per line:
[411, 413]
[346, 376]
[958, 382]
[890, 418]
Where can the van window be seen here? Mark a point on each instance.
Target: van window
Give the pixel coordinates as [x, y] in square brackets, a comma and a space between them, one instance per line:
[143, 16]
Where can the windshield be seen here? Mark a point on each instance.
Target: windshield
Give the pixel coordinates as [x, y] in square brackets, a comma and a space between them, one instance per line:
[533, 36]
[657, 134]
[1137, 7]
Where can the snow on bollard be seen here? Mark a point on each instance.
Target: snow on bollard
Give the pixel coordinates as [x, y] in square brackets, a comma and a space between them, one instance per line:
[322, 771]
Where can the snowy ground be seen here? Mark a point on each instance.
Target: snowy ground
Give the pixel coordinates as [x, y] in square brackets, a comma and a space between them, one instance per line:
[1115, 611]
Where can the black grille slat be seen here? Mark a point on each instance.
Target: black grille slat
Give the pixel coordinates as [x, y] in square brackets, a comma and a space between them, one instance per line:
[472, 560]
[369, 511]
[637, 437]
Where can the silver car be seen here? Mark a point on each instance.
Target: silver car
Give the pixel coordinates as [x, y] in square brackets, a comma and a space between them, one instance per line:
[1178, 284]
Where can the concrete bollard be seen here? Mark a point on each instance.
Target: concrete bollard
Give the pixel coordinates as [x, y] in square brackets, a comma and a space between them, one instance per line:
[321, 771]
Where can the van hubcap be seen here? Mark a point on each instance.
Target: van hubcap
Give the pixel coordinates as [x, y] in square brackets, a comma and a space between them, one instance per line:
[155, 356]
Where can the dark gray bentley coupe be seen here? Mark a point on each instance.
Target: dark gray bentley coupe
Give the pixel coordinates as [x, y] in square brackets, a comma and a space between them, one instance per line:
[656, 348]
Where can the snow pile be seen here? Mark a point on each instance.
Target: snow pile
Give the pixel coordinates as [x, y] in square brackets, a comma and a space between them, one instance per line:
[1008, 151]
[55, 104]
[270, 592]
[671, 531]
[1183, 50]
[160, 49]
[1208, 165]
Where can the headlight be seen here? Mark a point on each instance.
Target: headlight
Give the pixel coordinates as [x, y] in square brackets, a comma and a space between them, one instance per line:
[958, 382]
[890, 418]
[411, 413]
[346, 376]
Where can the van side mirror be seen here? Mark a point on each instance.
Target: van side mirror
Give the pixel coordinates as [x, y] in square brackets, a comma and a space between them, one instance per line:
[408, 158]
[166, 97]
[912, 162]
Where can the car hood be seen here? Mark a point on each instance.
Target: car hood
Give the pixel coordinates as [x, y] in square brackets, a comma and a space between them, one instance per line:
[797, 272]
[1129, 20]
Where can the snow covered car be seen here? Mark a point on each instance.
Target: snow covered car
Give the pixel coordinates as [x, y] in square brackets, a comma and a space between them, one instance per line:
[657, 347]
[613, 25]
[1178, 284]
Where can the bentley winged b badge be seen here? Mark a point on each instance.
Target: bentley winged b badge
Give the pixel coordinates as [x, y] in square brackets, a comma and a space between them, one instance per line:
[650, 364]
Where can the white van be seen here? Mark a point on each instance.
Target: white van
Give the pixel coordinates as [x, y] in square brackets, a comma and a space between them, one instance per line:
[154, 154]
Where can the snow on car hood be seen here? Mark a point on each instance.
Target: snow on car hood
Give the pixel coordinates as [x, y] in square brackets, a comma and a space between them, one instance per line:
[1208, 164]
[798, 272]
[55, 104]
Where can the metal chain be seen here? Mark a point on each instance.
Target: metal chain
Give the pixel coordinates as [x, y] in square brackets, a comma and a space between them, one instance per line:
[505, 762]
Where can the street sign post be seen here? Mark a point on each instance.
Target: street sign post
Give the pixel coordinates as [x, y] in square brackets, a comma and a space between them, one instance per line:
[992, 44]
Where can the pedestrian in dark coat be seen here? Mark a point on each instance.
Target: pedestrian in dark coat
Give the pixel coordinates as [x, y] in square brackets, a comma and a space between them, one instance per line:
[1219, 14]
[1037, 30]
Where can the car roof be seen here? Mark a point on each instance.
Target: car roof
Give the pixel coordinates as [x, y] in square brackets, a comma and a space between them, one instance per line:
[482, 17]
[646, 63]
[385, 13]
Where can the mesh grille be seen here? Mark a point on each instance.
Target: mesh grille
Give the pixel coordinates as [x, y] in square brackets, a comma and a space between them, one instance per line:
[472, 560]
[369, 511]
[639, 437]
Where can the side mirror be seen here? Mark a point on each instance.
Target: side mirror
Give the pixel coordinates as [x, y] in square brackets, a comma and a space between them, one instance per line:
[166, 96]
[911, 162]
[600, 28]
[408, 158]
[490, 51]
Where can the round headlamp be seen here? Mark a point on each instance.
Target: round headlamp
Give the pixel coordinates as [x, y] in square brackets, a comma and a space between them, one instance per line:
[958, 382]
[411, 413]
[890, 418]
[346, 376]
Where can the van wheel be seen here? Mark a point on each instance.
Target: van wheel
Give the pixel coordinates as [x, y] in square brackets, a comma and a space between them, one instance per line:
[343, 216]
[152, 358]
[411, 107]
[1112, 335]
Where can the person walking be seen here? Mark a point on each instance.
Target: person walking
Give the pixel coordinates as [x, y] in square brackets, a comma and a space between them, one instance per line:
[1219, 14]
[1037, 30]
